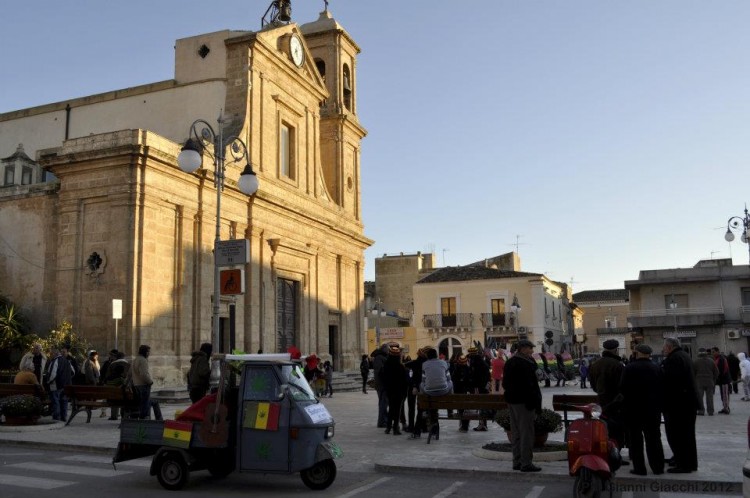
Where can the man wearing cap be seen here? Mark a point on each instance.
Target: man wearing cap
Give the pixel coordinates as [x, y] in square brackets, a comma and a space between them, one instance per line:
[605, 375]
[524, 401]
[680, 406]
[642, 390]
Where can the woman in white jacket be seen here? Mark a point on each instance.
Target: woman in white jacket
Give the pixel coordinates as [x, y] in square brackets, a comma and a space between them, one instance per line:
[745, 375]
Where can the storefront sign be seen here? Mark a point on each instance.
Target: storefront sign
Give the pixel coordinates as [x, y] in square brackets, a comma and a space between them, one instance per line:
[392, 333]
[679, 334]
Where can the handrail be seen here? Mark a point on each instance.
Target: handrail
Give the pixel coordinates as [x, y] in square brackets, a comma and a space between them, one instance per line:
[677, 311]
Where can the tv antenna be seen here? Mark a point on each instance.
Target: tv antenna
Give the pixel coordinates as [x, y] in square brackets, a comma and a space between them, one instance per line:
[518, 243]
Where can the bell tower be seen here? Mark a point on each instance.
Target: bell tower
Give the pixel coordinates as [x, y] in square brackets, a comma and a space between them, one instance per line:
[334, 53]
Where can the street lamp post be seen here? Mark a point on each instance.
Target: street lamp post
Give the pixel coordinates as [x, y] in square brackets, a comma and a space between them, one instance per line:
[737, 222]
[515, 308]
[190, 159]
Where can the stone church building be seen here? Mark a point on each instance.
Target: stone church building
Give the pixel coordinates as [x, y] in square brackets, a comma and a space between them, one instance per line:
[93, 205]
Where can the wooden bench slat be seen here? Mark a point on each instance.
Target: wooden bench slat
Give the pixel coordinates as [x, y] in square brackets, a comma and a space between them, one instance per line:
[559, 400]
[86, 397]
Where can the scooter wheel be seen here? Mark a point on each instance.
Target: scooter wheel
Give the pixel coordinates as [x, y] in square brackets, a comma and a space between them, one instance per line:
[587, 485]
[172, 472]
[319, 476]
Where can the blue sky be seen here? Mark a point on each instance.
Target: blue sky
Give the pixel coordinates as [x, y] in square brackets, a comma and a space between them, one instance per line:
[604, 137]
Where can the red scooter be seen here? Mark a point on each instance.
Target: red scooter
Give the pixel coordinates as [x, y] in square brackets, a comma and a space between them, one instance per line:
[593, 458]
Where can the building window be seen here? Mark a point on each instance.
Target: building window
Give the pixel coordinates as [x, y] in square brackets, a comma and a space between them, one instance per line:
[347, 88]
[448, 311]
[9, 173]
[745, 296]
[610, 322]
[286, 151]
[321, 68]
[676, 301]
[26, 176]
[498, 312]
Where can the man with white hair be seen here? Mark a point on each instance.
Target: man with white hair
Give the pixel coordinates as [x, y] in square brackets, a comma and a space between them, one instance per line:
[34, 361]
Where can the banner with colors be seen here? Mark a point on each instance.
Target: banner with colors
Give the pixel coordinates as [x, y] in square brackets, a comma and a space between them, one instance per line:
[261, 416]
[177, 433]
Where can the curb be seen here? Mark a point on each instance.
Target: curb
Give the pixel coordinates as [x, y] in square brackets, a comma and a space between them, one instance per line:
[621, 483]
[61, 447]
[548, 456]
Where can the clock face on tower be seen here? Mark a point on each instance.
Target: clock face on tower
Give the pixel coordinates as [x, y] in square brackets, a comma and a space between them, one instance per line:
[296, 51]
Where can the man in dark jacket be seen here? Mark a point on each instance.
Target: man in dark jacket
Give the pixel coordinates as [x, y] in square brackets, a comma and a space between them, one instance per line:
[524, 401]
[724, 381]
[415, 379]
[199, 374]
[642, 391]
[60, 375]
[605, 375]
[479, 379]
[378, 360]
[393, 376]
[680, 405]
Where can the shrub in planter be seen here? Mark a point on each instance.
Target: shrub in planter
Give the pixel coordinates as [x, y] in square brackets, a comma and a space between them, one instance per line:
[546, 422]
[21, 405]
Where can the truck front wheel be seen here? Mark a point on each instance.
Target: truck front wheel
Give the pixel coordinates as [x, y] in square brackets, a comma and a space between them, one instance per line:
[172, 471]
[319, 476]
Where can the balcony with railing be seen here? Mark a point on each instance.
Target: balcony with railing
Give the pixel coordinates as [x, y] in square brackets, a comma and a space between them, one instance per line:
[491, 320]
[454, 321]
[679, 317]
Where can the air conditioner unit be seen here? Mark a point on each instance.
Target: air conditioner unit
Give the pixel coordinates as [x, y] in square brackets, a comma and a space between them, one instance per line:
[733, 334]
[521, 330]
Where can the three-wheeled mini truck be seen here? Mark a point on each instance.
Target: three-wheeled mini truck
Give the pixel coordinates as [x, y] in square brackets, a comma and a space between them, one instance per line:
[269, 421]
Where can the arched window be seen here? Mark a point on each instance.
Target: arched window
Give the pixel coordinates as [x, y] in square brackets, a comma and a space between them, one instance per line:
[347, 88]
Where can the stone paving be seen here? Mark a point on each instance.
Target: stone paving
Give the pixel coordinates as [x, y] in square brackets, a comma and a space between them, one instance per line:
[722, 444]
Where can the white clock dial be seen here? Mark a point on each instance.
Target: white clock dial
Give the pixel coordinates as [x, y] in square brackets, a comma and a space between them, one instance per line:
[296, 51]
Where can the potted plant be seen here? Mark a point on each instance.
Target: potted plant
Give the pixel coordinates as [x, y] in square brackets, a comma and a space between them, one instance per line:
[547, 421]
[21, 409]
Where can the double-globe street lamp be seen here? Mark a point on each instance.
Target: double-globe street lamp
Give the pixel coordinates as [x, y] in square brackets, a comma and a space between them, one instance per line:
[191, 158]
[737, 222]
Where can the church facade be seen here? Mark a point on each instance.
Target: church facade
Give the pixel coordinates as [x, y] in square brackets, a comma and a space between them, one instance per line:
[116, 218]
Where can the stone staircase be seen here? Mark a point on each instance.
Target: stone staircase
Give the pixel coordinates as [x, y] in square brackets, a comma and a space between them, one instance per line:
[347, 381]
[342, 382]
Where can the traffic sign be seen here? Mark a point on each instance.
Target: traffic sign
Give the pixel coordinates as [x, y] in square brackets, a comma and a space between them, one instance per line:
[232, 252]
[232, 282]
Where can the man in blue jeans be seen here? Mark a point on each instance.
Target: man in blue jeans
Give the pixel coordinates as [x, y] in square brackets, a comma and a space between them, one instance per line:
[142, 383]
[60, 375]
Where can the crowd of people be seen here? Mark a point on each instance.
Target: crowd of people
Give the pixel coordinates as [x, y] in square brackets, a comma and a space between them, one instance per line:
[635, 394]
[51, 376]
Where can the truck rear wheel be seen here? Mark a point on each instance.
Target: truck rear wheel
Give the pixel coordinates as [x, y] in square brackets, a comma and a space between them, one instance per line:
[172, 471]
[319, 476]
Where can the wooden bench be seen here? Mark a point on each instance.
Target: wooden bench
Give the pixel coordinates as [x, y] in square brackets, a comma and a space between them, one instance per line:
[32, 389]
[562, 402]
[88, 397]
[469, 405]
